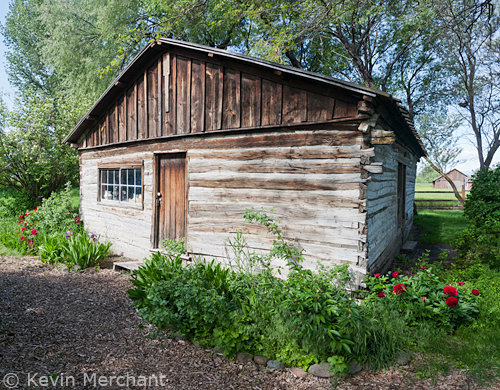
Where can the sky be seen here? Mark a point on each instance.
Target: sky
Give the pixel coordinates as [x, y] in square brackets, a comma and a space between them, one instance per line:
[468, 159]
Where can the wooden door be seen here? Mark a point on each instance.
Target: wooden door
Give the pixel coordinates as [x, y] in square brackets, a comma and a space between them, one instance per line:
[171, 199]
[401, 194]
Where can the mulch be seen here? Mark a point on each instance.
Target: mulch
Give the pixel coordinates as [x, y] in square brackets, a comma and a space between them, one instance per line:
[76, 329]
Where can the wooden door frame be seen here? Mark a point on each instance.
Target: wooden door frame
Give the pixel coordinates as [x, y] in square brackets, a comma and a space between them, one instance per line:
[156, 185]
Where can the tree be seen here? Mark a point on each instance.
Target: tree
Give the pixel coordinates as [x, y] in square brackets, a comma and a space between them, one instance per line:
[438, 133]
[469, 43]
[33, 159]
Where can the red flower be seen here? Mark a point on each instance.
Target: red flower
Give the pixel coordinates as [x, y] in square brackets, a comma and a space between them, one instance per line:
[461, 283]
[77, 219]
[23, 228]
[377, 275]
[395, 274]
[450, 290]
[34, 232]
[475, 292]
[424, 267]
[399, 288]
[381, 294]
[30, 243]
[21, 216]
[452, 301]
[23, 238]
[20, 222]
[424, 299]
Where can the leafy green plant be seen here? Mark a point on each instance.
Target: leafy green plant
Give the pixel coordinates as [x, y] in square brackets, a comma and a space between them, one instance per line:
[424, 298]
[174, 247]
[51, 248]
[483, 202]
[84, 250]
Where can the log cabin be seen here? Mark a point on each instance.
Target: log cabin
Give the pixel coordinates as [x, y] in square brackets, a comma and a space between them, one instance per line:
[188, 137]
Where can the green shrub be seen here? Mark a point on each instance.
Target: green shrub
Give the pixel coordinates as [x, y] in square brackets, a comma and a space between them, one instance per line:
[483, 202]
[14, 203]
[423, 298]
[84, 250]
[51, 248]
[56, 213]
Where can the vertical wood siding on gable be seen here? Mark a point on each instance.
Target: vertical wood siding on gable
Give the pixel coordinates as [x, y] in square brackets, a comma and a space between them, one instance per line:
[204, 96]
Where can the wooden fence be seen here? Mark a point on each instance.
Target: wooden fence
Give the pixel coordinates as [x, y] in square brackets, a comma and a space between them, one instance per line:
[439, 204]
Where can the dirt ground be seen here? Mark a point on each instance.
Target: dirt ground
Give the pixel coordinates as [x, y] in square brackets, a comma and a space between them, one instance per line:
[76, 330]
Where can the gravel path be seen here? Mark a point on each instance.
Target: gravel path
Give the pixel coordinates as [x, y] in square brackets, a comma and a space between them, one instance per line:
[79, 331]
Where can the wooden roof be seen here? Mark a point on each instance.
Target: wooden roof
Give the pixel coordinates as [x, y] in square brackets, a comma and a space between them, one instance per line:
[397, 112]
[448, 173]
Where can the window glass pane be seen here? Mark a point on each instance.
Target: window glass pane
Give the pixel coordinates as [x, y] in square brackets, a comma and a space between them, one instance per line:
[103, 191]
[109, 177]
[109, 189]
[116, 192]
[124, 177]
[130, 173]
[123, 193]
[131, 197]
[117, 176]
[138, 195]
[103, 177]
[137, 177]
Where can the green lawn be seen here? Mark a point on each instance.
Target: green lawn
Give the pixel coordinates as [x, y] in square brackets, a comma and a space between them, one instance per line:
[440, 226]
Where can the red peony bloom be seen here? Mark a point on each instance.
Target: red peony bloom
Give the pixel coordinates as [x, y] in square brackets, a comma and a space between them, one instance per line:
[399, 288]
[424, 267]
[452, 301]
[23, 238]
[461, 283]
[77, 219]
[450, 290]
[395, 273]
[424, 299]
[475, 292]
[30, 243]
[377, 275]
[381, 294]
[34, 232]
[23, 228]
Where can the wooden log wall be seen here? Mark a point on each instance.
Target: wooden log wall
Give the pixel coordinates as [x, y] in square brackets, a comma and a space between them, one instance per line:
[178, 94]
[384, 238]
[310, 177]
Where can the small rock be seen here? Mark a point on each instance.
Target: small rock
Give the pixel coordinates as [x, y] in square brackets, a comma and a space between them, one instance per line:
[89, 270]
[275, 365]
[243, 357]
[323, 370]
[299, 372]
[217, 349]
[260, 360]
[403, 359]
[354, 368]
[76, 268]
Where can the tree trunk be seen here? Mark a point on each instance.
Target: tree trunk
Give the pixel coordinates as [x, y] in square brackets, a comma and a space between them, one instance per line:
[457, 194]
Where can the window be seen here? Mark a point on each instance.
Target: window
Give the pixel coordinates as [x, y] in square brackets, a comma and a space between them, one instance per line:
[121, 185]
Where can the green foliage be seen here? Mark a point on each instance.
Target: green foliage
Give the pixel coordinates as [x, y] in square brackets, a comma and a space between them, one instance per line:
[56, 214]
[480, 242]
[14, 203]
[422, 298]
[83, 250]
[51, 249]
[174, 247]
[33, 159]
[483, 202]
